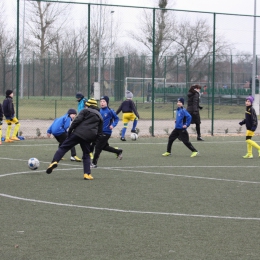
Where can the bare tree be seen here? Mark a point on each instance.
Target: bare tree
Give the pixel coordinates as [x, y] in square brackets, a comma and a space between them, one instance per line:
[164, 33]
[45, 25]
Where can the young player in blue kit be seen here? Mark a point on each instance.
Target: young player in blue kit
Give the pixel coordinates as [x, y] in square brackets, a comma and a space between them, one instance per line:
[183, 120]
[110, 120]
[59, 129]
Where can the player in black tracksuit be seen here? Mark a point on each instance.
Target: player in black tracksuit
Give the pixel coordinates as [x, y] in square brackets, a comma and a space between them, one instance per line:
[85, 128]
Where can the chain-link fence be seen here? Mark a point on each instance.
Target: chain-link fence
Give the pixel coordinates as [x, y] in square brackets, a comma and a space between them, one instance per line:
[64, 47]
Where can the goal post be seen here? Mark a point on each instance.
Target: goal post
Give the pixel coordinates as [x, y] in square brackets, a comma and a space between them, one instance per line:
[142, 87]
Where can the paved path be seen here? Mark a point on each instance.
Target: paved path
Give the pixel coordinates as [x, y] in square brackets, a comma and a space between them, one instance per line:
[30, 128]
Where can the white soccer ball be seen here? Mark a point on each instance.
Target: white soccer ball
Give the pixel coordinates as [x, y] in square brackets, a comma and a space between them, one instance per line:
[33, 163]
[134, 136]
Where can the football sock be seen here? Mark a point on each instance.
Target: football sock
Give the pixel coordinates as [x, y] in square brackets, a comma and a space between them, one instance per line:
[123, 132]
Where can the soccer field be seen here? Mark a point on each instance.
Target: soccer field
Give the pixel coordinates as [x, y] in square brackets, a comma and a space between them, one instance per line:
[145, 206]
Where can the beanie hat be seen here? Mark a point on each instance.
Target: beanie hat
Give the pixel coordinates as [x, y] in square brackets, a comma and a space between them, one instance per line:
[251, 99]
[105, 98]
[91, 102]
[181, 100]
[79, 95]
[8, 92]
[129, 94]
[72, 111]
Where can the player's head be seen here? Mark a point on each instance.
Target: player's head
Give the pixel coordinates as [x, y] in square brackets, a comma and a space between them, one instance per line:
[91, 103]
[8, 93]
[72, 113]
[79, 96]
[104, 101]
[129, 94]
[180, 102]
[249, 100]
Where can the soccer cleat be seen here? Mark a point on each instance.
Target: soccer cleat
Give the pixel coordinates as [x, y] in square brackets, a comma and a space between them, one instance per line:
[134, 131]
[88, 176]
[14, 138]
[122, 139]
[75, 159]
[166, 154]
[92, 165]
[8, 140]
[194, 154]
[120, 154]
[248, 156]
[51, 167]
[199, 138]
[91, 156]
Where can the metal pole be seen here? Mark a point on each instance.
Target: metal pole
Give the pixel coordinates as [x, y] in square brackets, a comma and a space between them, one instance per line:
[111, 44]
[254, 53]
[17, 60]
[22, 69]
[100, 45]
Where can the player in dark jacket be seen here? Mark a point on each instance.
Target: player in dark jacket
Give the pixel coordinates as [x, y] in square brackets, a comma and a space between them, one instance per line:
[85, 128]
[9, 113]
[129, 114]
[251, 123]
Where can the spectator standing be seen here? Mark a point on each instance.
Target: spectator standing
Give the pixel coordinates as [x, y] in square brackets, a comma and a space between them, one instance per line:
[194, 108]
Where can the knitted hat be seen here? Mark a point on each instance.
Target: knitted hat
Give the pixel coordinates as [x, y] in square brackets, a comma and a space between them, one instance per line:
[129, 94]
[72, 111]
[79, 95]
[251, 99]
[181, 100]
[105, 98]
[91, 102]
[8, 92]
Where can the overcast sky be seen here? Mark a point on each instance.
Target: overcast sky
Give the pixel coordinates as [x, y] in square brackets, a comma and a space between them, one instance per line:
[237, 29]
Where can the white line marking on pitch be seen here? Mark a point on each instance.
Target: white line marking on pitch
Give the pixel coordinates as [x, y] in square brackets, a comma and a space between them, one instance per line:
[129, 211]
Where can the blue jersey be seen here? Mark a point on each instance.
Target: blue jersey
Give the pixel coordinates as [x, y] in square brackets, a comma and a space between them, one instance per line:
[182, 118]
[60, 125]
[81, 104]
[109, 118]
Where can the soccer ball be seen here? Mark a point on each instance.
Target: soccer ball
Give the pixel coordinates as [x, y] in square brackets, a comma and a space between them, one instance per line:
[134, 136]
[33, 163]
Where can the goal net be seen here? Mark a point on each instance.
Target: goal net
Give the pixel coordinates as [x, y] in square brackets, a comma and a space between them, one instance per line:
[142, 87]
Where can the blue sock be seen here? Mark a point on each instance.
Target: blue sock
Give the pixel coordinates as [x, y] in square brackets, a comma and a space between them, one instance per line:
[123, 132]
[134, 124]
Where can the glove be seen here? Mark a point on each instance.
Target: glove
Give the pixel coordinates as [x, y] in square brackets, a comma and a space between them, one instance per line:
[11, 119]
[253, 128]
[241, 123]
[1, 122]
[200, 107]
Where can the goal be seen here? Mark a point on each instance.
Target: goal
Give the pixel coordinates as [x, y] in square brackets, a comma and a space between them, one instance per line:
[142, 87]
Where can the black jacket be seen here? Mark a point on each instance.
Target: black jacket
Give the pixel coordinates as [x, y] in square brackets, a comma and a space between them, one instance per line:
[127, 106]
[193, 106]
[250, 119]
[8, 108]
[87, 125]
